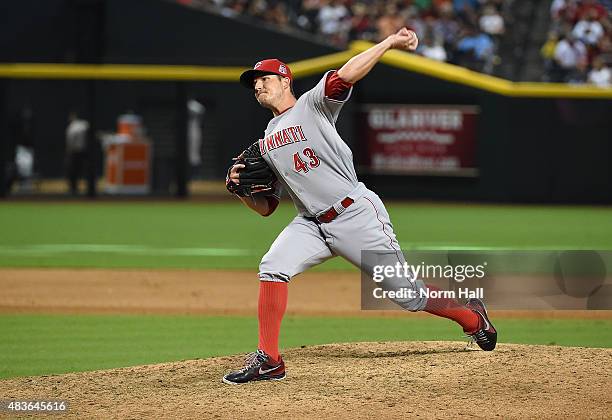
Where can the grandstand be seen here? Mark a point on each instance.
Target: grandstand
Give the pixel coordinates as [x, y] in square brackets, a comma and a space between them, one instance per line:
[500, 37]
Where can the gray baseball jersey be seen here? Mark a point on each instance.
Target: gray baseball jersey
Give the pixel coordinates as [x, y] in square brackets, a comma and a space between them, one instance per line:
[311, 160]
[315, 166]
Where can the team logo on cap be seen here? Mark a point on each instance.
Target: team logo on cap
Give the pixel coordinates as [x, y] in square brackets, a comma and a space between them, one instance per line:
[282, 69]
[257, 65]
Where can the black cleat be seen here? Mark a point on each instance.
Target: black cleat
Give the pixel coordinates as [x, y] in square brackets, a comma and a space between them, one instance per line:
[258, 367]
[486, 335]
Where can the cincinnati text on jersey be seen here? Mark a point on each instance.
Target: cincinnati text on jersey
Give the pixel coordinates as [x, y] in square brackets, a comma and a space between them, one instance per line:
[281, 138]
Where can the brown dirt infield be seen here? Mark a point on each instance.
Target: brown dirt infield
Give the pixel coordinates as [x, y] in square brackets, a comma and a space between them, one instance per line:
[195, 292]
[357, 380]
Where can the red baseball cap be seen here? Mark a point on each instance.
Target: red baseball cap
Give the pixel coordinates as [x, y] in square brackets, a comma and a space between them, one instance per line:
[269, 66]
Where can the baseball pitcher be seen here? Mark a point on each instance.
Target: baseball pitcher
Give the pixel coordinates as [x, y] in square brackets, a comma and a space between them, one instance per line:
[302, 154]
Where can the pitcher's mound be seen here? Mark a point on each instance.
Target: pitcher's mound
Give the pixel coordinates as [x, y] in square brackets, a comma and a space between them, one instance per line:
[356, 380]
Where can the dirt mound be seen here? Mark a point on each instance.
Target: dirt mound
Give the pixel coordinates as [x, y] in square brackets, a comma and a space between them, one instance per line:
[357, 380]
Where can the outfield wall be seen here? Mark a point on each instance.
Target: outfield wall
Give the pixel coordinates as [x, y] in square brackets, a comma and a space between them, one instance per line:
[529, 149]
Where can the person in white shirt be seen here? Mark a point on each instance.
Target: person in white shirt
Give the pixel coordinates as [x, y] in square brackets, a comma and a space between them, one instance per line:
[76, 150]
[333, 18]
[569, 52]
[600, 75]
[589, 30]
[491, 22]
[433, 49]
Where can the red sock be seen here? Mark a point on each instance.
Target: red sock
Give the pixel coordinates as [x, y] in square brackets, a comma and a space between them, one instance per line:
[270, 310]
[451, 309]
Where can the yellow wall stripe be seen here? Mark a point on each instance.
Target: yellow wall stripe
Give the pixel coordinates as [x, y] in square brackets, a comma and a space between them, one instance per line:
[304, 68]
[120, 72]
[461, 75]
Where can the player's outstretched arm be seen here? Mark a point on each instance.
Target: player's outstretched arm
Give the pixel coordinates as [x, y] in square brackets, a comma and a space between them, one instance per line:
[357, 67]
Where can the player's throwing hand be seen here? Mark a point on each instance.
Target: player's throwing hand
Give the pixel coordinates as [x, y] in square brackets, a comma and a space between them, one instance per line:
[404, 39]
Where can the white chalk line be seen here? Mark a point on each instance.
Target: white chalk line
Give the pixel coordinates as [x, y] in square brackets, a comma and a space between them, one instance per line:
[55, 249]
[143, 250]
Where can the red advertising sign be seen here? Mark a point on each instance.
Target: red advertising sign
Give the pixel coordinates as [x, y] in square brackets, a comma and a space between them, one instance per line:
[420, 139]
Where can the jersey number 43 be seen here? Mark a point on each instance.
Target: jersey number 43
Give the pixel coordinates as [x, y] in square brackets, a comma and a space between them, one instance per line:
[300, 165]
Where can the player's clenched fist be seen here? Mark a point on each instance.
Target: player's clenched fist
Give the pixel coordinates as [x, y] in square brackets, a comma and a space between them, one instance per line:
[404, 39]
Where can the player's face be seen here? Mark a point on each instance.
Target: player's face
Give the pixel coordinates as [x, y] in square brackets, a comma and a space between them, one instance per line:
[268, 90]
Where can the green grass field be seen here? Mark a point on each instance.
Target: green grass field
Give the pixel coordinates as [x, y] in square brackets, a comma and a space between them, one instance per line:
[45, 344]
[226, 235]
[222, 235]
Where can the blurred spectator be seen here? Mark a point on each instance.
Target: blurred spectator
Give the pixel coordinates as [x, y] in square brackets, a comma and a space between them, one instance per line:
[555, 8]
[589, 30]
[278, 15]
[413, 20]
[579, 74]
[559, 8]
[564, 14]
[600, 75]
[466, 10]
[547, 52]
[605, 49]
[362, 23]
[587, 7]
[307, 16]
[570, 54]
[491, 22]
[76, 150]
[448, 28]
[475, 49]
[237, 6]
[433, 48]
[195, 113]
[258, 9]
[442, 6]
[390, 22]
[20, 165]
[334, 21]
